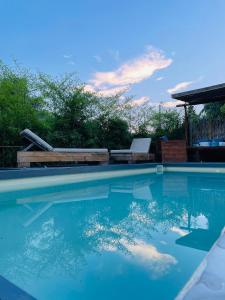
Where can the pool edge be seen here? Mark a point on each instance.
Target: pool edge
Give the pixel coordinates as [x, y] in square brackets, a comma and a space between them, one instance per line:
[54, 171]
[208, 280]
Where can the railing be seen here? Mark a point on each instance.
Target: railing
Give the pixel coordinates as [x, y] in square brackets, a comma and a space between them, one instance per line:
[8, 156]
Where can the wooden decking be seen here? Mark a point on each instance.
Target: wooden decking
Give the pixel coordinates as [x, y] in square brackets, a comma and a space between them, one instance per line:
[25, 158]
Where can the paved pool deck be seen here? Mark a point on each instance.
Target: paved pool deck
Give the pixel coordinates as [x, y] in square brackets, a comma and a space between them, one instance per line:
[208, 281]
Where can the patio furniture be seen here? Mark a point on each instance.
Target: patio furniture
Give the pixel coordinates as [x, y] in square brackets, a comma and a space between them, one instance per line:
[205, 136]
[50, 154]
[139, 151]
[207, 154]
[205, 128]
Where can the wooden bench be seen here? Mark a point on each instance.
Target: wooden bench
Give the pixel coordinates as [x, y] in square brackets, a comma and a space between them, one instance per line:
[133, 157]
[50, 154]
[25, 158]
[139, 151]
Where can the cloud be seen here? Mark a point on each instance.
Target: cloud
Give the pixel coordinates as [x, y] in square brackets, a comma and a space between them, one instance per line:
[139, 101]
[133, 71]
[159, 78]
[108, 92]
[179, 231]
[180, 86]
[171, 104]
[69, 60]
[113, 91]
[157, 262]
[183, 85]
[89, 88]
[67, 56]
[118, 90]
[98, 58]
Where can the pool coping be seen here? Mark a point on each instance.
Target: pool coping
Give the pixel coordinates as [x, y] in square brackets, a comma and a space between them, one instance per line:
[18, 173]
[208, 280]
[54, 171]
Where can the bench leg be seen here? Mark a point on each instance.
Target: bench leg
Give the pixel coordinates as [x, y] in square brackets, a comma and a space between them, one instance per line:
[23, 164]
[104, 163]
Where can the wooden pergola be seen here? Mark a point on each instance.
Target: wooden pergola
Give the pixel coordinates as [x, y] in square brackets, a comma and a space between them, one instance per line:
[210, 94]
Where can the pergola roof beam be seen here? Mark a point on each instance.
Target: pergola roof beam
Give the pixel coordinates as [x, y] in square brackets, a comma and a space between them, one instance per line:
[215, 93]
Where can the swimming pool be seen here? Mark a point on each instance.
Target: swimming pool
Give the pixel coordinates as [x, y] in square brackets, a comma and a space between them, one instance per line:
[121, 237]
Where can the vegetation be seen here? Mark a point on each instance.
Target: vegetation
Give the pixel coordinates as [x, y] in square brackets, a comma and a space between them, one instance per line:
[65, 114]
[213, 110]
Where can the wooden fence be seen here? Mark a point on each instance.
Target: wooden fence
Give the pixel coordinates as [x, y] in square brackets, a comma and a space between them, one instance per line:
[207, 129]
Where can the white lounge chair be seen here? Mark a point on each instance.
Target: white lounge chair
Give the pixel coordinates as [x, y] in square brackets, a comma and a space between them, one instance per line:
[139, 150]
[50, 154]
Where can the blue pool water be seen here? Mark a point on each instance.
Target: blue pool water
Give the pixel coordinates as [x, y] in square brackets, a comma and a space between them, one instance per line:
[137, 237]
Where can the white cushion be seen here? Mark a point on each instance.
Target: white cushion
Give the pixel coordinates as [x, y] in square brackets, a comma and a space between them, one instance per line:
[121, 151]
[80, 150]
[141, 145]
[35, 139]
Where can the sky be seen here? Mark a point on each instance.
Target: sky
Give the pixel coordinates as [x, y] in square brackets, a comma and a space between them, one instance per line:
[148, 48]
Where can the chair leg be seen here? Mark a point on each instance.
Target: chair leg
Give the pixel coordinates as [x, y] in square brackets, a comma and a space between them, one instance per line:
[28, 147]
[23, 164]
[104, 163]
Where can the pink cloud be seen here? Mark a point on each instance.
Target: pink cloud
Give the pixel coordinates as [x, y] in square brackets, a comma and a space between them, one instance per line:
[133, 71]
[180, 86]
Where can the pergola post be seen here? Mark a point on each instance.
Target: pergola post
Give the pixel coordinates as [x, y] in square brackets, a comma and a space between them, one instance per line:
[186, 125]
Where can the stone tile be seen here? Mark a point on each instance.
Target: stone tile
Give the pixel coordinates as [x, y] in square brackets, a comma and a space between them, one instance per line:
[208, 282]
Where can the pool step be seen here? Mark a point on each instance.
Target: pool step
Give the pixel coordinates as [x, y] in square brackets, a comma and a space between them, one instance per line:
[9, 291]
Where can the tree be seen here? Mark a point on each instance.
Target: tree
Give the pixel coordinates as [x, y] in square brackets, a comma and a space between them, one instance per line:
[213, 110]
[64, 113]
[168, 122]
[19, 107]
[70, 106]
[113, 133]
[81, 118]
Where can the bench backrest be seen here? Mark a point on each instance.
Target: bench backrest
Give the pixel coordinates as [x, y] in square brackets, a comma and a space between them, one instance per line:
[36, 140]
[141, 145]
